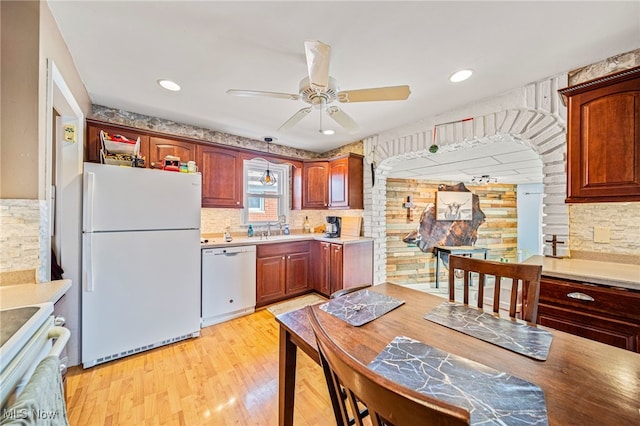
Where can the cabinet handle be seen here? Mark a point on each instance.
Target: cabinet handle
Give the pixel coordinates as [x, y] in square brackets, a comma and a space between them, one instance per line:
[581, 296]
[288, 257]
[282, 257]
[237, 202]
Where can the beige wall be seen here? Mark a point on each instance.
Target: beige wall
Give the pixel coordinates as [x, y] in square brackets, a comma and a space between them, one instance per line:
[30, 37]
[19, 147]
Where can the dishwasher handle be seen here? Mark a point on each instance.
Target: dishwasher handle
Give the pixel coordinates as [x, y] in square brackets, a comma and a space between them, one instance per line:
[227, 251]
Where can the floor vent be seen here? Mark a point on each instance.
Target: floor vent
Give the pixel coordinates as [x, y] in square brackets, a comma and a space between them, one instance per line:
[141, 349]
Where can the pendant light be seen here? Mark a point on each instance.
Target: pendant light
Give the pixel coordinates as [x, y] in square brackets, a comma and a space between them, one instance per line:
[267, 178]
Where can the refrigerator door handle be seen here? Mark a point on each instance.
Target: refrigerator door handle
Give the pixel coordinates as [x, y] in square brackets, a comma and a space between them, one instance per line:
[88, 263]
[89, 184]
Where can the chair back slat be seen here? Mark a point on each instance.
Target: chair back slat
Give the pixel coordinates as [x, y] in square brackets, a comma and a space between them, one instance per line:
[388, 402]
[525, 284]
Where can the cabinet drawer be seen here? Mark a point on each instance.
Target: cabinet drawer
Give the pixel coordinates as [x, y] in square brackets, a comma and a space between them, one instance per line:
[617, 333]
[278, 249]
[581, 297]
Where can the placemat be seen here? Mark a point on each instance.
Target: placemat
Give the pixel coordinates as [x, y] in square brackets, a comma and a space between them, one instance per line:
[515, 336]
[361, 306]
[491, 396]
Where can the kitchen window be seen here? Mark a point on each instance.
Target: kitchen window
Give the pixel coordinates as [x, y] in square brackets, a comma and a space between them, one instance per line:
[265, 203]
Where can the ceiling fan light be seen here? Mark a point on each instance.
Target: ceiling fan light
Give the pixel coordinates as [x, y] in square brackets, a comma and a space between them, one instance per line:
[459, 76]
[169, 85]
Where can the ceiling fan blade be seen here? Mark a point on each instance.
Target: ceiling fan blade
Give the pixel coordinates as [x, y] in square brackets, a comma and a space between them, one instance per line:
[294, 119]
[259, 93]
[341, 117]
[393, 93]
[318, 63]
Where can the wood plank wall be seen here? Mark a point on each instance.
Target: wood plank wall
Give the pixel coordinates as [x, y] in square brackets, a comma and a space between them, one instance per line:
[409, 265]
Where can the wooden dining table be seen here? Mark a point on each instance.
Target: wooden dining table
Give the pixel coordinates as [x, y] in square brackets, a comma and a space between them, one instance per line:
[584, 382]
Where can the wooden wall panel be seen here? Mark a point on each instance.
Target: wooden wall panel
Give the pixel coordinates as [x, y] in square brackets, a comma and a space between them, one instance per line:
[408, 265]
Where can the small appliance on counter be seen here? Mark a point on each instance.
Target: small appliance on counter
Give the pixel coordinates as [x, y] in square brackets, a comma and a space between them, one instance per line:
[334, 223]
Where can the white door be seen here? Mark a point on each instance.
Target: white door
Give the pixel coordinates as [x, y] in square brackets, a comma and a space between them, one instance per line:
[140, 288]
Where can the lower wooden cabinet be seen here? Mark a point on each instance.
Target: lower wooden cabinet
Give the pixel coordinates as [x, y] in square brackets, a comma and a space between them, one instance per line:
[336, 266]
[282, 271]
[607, 315]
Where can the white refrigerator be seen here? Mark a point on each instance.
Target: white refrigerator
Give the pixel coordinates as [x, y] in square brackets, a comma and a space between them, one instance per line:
[141, 260]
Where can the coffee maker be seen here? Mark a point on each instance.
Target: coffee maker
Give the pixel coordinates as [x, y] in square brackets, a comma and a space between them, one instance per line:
[333, 226]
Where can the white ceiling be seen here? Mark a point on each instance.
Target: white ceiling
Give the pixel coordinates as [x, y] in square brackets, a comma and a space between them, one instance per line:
[121, 48]
[506, 160]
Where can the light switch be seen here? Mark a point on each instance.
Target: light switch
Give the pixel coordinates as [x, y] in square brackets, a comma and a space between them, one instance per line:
[601, 234]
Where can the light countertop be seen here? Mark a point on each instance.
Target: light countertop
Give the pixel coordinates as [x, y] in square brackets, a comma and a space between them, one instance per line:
[12, 296]
[590, 271]
[217, 240]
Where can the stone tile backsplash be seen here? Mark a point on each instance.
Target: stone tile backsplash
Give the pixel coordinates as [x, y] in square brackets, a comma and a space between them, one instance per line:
[20, 234]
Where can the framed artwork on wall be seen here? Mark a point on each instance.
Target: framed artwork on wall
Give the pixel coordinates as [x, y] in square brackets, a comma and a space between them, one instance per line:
[452, 205]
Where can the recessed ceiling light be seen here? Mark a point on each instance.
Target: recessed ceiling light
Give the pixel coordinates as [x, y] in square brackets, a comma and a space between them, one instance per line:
[328, 132]
[169, 85]
[459, 76]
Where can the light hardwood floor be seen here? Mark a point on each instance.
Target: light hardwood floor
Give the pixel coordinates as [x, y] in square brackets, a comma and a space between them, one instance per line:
[227, 376]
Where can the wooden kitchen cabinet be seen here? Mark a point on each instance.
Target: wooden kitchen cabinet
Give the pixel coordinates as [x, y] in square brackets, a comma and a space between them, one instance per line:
[345, 182]
[222, 176]
[337, 266]
[93, 145]
[603, 138]
[315, 192]
[159, 148]
[282, 271]
[607, 315]
[331, 184]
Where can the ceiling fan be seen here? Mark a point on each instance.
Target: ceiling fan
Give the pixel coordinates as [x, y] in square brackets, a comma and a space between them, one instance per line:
[320, 90]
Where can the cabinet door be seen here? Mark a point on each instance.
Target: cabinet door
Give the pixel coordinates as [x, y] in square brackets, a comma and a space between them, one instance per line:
[297, 273]
[315, 185]
[93, 145]
[338, 183]
[336, 267]
[603, 141]
[160, 148]
[270, 279]
[345, 183]
[321, 267]
[221, 177]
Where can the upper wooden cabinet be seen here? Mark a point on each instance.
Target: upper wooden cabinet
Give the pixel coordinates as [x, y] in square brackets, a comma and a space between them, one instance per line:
[315, 193]
[221, 176]
[331, 184]
[603, 138]
[345, 182]
[159, 148]
[93, 144]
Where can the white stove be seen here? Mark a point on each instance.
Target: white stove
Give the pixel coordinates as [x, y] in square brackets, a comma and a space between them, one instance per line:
[25, 337]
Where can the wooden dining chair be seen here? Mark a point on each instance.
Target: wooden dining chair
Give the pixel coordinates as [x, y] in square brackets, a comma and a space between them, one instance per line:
[525, 283]
[387, 402]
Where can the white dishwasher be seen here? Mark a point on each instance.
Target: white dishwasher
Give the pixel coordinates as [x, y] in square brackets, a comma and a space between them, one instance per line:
[228, 283]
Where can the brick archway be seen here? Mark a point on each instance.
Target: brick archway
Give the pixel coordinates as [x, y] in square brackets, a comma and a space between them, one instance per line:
[543, 131]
